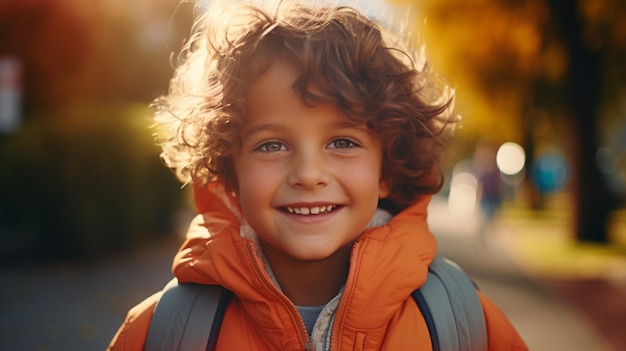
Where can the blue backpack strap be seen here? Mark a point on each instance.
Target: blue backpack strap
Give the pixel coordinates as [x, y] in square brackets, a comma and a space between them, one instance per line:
[452, 309]
[187, 317]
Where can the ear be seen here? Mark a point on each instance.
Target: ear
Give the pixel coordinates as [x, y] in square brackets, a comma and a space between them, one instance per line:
[383, 189]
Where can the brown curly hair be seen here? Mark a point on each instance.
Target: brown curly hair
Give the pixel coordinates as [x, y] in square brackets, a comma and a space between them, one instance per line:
[348, 59]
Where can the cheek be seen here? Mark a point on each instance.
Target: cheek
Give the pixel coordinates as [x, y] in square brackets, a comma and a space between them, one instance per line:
[252, 174]
[256, 180]
[364, 171]
[363, 180]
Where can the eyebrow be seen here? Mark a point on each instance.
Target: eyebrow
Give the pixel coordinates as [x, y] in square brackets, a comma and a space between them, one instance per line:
[348, 125]
[332, 125]
[261, 128]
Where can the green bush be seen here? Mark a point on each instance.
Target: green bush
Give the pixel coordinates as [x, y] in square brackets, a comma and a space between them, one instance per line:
[82, 182]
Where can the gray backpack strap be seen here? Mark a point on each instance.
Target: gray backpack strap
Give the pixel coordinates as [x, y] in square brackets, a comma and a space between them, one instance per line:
[186, 317]
[452, 309]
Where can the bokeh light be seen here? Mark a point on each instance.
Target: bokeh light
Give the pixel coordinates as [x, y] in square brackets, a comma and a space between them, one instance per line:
[463, 193]
[510, 158]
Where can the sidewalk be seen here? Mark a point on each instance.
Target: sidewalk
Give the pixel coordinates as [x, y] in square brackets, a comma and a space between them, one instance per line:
[63, 307]
[506, 263]
[591, 278]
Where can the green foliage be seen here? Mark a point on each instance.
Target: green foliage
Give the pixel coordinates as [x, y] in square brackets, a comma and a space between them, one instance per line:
[82, 182]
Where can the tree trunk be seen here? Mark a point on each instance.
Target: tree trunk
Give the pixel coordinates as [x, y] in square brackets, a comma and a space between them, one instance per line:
[594, 202]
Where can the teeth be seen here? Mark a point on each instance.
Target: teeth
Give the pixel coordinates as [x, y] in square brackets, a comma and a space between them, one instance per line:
[310, 210]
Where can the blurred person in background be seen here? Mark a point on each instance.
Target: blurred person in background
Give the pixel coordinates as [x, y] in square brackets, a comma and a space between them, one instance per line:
[489, 181]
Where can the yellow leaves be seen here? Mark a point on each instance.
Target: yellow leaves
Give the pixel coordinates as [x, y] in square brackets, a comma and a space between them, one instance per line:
[595, 11]
[492, 51]
[554, 62]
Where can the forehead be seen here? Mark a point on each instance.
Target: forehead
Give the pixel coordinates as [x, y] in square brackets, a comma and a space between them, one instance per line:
[309, 71]
[274, 102]
[275, 92]
[275, 82]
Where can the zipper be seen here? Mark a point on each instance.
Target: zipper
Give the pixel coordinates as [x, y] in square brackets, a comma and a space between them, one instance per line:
[308, 345]
[347, 291]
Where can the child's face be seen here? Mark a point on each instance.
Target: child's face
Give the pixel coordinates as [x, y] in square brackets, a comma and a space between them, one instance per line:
[308, 179]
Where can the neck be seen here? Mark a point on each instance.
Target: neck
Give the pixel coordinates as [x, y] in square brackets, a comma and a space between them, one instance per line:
[310, 283]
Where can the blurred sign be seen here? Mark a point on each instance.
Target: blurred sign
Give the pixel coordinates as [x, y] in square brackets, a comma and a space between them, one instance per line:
[10, 94]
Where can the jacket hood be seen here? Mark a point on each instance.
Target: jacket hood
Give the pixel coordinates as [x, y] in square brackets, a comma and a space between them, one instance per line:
[388, 262]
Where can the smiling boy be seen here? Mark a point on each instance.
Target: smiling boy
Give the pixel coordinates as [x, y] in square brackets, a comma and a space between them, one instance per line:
[313, 148]
[308, 182]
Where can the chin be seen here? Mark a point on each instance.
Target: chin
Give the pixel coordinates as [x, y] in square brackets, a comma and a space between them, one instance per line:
[321, 254]
[309, 256]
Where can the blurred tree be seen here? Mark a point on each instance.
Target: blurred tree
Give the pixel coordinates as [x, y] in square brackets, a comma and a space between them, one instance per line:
[509, 57]
[587, 28]
[55, 45]
[79, 175]
[490, 49]
[104, 50]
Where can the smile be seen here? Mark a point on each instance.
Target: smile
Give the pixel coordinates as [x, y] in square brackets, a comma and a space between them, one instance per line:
[311, 210]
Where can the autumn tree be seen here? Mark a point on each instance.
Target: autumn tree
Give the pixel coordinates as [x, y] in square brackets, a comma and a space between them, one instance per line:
[55, 45]
[513, 57]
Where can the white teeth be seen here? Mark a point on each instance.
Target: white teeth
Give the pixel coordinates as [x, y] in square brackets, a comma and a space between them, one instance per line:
[310, 210]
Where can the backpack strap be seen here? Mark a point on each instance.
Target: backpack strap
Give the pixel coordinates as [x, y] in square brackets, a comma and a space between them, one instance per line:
[451, 308]
[187, 317]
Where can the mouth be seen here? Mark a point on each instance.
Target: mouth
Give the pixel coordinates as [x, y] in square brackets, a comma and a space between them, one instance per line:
[312, 210]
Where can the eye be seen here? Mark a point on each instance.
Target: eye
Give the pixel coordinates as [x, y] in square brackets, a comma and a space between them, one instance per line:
[271, 146]
[342, 143]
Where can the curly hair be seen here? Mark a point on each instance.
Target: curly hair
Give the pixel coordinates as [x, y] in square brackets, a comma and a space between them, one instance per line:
[344, 58]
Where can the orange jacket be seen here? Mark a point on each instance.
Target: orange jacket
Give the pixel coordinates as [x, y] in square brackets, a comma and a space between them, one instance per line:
[375, 311]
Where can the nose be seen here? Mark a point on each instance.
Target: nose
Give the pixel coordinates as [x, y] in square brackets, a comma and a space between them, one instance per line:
[309, 170]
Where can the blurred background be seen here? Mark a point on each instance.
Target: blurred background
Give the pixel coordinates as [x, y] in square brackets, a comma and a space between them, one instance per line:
[532, 207]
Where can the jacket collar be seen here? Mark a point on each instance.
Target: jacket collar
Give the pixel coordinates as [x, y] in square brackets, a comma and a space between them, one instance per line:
[388, 262]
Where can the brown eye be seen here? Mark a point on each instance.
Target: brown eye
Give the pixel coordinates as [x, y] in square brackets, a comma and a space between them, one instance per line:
[272, 146]
[342, 144]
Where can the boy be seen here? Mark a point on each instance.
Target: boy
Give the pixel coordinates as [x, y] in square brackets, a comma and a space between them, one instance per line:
[312, 145]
